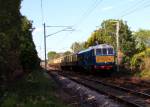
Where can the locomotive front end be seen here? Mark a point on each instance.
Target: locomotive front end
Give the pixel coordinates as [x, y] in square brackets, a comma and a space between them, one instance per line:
[104, 58]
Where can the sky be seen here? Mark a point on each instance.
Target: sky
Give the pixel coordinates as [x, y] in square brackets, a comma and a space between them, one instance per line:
[84, 16]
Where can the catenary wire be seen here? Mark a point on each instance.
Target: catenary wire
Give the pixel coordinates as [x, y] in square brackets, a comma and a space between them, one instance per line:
[134, 8]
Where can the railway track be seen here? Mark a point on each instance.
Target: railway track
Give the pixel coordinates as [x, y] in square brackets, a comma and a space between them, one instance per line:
[128, 96]
[136, 85]
[141, 87]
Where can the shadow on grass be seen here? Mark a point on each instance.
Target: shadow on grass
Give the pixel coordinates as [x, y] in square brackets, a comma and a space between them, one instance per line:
[34, 90]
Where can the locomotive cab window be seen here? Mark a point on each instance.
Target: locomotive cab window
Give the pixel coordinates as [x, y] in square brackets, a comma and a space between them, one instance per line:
[98, 51]
[104, 51]
[110, 50]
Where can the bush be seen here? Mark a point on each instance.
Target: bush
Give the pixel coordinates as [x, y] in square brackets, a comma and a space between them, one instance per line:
[141, 61]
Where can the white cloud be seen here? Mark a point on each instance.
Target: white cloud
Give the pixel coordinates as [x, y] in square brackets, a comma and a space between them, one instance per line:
[107, 8]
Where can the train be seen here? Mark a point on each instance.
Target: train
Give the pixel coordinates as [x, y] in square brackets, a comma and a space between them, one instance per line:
[96, 58]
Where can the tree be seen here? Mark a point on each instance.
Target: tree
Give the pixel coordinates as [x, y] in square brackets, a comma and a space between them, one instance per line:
[10, 27]
[67, 53]
[51, 55]
[17, 50]
[96, 37]
[77, 46]
[27, 47]
[107, 34]
[143, 37]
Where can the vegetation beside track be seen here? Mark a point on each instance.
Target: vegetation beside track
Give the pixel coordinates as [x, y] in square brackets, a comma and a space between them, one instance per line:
[141, 63]
[34, 90]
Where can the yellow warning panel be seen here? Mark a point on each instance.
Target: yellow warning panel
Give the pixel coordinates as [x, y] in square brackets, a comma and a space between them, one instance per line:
[104, 59]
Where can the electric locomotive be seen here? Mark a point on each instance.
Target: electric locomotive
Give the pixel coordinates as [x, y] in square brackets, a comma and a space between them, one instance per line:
[99, 57]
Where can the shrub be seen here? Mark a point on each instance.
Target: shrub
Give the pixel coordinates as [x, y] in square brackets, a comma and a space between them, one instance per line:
[141, 61]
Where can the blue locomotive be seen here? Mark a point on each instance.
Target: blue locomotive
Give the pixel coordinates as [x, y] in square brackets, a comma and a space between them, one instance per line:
[99, 57]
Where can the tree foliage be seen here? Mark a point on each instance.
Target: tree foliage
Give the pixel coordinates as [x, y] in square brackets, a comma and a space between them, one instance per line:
[51, 54]
[143, 37]
[96, 37]
[27, 47]
[17, 50]
[77, 46]
[107, 34]
[67, 53]
[141, 61]
[10, 27]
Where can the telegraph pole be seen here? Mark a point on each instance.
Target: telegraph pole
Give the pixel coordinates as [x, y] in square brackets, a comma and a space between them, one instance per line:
[45, 44]
[67, 28]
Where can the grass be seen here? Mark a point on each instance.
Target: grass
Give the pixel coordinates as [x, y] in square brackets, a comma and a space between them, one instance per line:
[145, 74]
[34, 90]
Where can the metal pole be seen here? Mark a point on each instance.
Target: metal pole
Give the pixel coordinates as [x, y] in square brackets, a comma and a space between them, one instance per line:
[45, 44]
[117, 42]
[105, 28]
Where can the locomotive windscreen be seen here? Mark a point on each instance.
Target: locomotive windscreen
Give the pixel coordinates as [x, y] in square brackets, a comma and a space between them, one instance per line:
[110, 51]
[104, 51]
[98, 51]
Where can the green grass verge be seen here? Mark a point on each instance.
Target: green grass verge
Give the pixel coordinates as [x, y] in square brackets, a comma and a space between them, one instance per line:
[34, 90]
